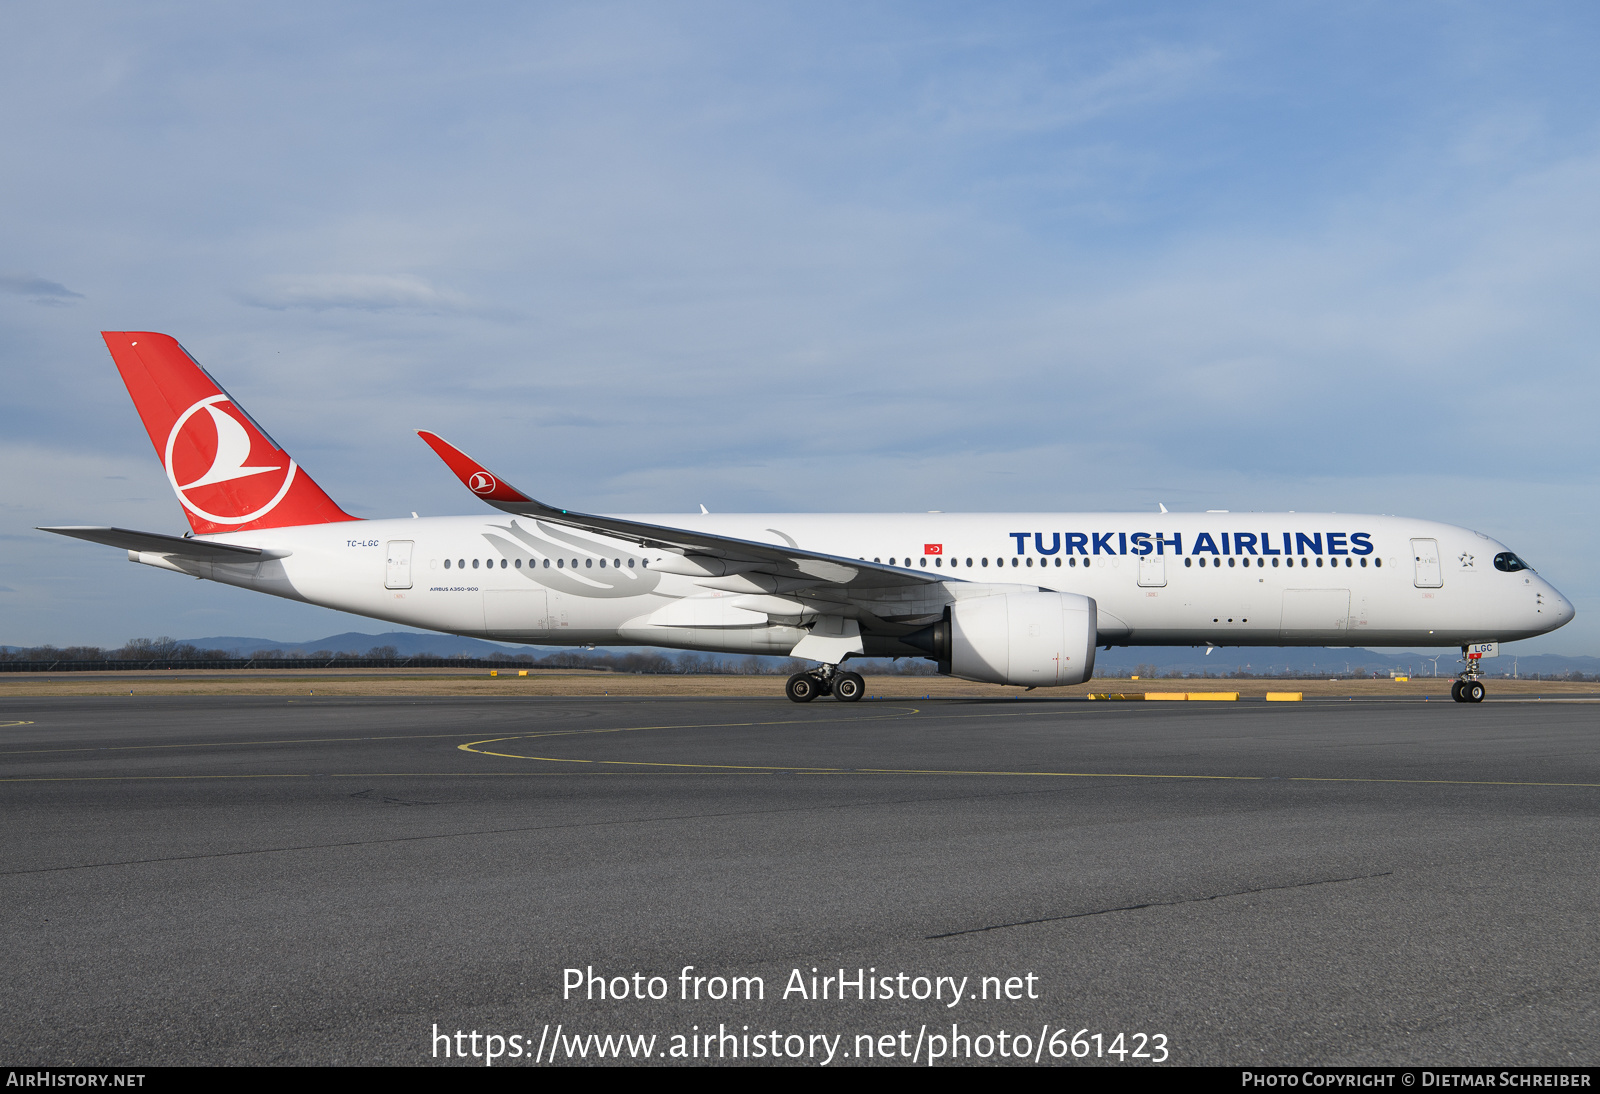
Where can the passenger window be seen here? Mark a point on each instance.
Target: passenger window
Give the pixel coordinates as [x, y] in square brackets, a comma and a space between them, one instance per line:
[985, 560]
[447, 564]
[630, 564]
[1377, 562]
[923, 561]
[474, 564]
[969, 564]
[1030, 560]
[938, 562]
[461, 564]
[1086, 563]
[588, 563]
[504, 563]
[1015, 562]
[1363, 564]
[1073, 561]
[1188, 562]
[1274, 564]
[1319, 563]
[1230, 563]
[561, 563]
[602, 564]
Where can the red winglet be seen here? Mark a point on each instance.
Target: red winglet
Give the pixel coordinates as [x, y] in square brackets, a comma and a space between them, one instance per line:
[473, 475]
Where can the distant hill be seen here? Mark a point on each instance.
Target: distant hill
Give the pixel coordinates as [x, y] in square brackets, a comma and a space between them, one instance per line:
[1257, 660]
[406, 644]
[1271, 660]
[1121, 661]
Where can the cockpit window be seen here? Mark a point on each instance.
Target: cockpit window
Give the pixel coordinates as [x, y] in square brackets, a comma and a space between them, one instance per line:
[1509, 562]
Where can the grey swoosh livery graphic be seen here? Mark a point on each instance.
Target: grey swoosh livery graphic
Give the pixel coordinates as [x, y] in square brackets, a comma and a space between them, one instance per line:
[552, 543]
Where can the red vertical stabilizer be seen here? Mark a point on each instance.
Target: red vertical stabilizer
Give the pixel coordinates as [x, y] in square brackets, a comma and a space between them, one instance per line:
[228, 474]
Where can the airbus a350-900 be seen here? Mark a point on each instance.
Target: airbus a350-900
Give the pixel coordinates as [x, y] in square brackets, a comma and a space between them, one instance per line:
[1007, 598]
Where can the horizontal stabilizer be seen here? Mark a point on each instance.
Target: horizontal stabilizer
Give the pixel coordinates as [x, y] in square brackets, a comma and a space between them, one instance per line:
[156, 543]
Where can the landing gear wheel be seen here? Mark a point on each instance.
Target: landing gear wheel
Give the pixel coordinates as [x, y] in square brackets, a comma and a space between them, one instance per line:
[1455, 691]
[1472, 692]
[801, 688]
[848, 687]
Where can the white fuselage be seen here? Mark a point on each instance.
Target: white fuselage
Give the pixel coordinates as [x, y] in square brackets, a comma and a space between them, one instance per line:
[1158, 579]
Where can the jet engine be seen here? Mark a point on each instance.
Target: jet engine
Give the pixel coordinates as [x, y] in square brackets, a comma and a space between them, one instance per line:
[1037, 639]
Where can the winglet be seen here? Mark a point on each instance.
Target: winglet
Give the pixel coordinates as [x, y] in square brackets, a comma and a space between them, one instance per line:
[473, 475]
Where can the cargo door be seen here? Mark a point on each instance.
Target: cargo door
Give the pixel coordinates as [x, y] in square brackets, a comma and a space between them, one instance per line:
[397, 570]
[1152, 571]
[556, 613]
[515, 613]
[1316, 615]
[1425, 554]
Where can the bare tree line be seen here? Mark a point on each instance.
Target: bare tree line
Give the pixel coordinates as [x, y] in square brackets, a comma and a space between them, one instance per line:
[165, 650]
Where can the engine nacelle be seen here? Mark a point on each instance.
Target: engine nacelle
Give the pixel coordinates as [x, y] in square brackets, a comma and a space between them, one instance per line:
[1034, 639]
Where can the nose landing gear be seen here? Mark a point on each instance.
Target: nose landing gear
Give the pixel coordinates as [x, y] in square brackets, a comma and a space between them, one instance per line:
[847, 687]
[1469, 689]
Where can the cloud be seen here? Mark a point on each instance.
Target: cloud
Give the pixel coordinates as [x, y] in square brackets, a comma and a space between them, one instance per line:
[810, 258]
[49, 294]
[358, 292]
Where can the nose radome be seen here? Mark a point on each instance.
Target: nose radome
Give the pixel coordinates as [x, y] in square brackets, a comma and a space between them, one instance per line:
[1559, 605]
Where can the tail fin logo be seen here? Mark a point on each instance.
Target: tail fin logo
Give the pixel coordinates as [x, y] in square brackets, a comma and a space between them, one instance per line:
[229, 481]
[482, 483]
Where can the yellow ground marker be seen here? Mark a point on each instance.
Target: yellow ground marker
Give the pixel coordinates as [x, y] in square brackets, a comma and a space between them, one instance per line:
[522, 672]
[1194, 696]
[1284, 696]
[1402, 679]
[1117, 697]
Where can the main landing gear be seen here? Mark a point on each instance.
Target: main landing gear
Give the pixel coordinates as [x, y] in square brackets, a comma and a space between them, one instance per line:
[1469, 689]
[847, 687]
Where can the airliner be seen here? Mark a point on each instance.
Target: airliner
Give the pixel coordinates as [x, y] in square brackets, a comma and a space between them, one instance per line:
[1004, 598]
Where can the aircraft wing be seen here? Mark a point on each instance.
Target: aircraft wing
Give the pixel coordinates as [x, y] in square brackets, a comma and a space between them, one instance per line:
[850, 575]
[156, 543]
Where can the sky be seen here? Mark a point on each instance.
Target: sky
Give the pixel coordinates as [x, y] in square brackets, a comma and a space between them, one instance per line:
[804, 257]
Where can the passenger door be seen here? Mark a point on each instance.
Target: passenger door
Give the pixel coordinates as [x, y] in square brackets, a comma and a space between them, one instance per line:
[1425, 554]
[397, 568]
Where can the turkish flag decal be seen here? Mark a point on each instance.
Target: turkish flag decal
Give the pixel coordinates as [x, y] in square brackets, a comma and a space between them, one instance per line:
[933, 548]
